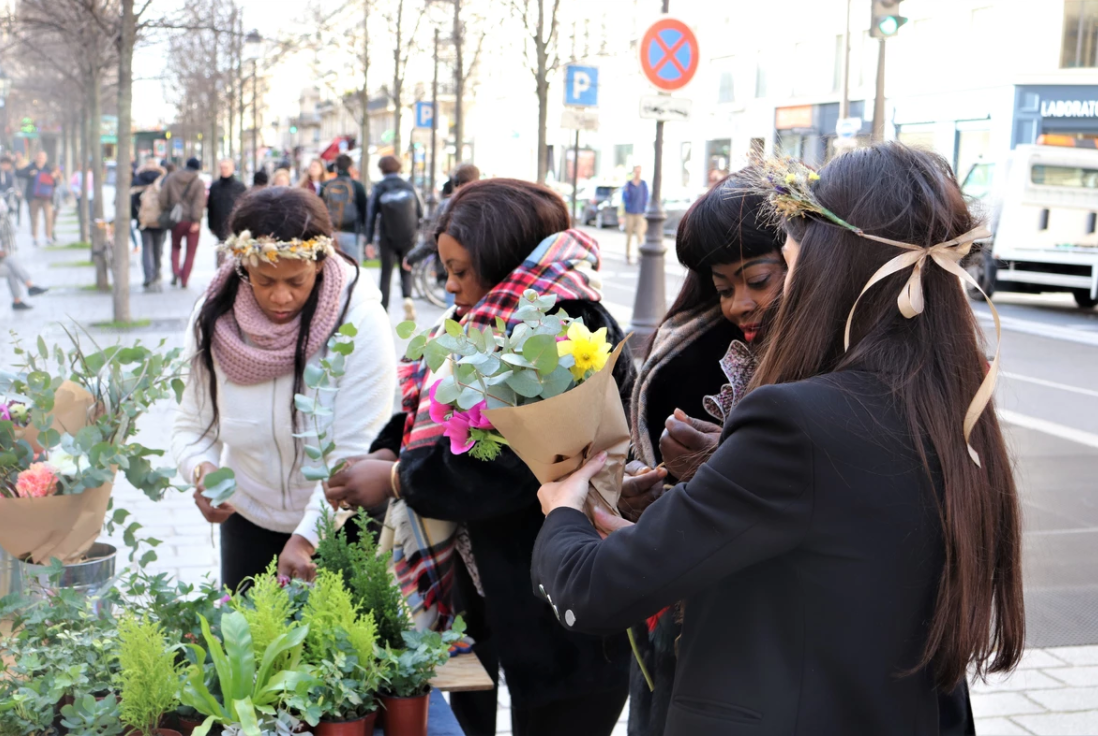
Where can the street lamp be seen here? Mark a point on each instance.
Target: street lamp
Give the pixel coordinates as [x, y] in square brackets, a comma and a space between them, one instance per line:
[252, 46]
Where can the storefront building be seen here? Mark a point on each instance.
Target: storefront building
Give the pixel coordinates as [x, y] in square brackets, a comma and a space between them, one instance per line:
[1062, 109]
[807, 132]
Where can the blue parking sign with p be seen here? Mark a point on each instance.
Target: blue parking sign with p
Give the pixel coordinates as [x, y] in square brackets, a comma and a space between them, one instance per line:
[425, 114]
[581, 86]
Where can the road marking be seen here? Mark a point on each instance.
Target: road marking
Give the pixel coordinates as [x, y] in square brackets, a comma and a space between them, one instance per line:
[1050, 428]
[1051, 384]
[1042, 329]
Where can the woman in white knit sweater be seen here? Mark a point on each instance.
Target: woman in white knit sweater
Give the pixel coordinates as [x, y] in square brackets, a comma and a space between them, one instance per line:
[282, 293]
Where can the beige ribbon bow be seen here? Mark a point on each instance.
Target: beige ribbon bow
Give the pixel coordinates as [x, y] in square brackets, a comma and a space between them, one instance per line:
[948, 255]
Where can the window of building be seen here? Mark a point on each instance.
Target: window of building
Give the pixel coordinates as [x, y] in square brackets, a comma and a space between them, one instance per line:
[726, 91]
[623, 156]
[760, 79]
[1064, 176]
[972, 146]
[978, 181]
[1080, 34]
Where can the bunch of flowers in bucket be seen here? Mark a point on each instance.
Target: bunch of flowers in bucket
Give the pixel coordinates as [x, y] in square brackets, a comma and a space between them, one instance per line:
[65, 433]
[545, 390]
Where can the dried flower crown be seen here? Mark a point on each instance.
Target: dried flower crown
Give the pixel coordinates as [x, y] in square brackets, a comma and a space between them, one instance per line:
[251, 251]
[787, 185]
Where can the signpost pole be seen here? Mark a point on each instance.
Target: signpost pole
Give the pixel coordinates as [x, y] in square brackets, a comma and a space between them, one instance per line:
[575, 174]
[650, 303]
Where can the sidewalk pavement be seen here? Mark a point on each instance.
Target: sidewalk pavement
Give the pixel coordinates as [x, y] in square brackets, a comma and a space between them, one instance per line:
[1054, 691]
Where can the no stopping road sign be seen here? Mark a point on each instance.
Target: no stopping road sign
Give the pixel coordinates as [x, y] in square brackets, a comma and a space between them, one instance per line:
[669, 54]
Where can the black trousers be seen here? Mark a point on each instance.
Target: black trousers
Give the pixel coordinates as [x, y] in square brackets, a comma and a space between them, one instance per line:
[392, 254]
[594, 714]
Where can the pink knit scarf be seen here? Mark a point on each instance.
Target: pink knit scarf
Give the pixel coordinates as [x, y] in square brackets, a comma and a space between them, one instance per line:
[251, 349]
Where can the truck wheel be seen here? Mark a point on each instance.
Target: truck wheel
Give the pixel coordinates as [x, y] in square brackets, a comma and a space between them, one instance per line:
[981, 266]
[1084, 299]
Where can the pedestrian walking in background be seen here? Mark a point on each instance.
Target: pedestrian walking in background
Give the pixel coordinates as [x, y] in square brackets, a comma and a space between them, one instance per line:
[281, 178]
[634, 197]
[19, 281]
[7, 175]
[145, 208]
[223, 196]
[39, 193]
[315, 176]
[428, 245]
[81, 184]
[253, 335]
[259, 179]
[346, 201]
[499, 237]
[182, 202]
[20, 163]
[61, 193]
[396, 205]
[853, 546]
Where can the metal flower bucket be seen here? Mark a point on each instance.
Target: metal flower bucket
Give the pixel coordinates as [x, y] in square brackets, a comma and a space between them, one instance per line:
[89, 576]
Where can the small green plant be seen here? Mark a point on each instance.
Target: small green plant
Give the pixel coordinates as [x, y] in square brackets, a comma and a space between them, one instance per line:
[87, 716]
[113, 324]
[366, 575]
[267, 608]
[322, 379]
[410, 669]
[71, 264]
[247, 689]
[150, 678]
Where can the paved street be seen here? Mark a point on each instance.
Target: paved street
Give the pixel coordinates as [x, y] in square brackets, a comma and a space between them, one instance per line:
[1048, 398]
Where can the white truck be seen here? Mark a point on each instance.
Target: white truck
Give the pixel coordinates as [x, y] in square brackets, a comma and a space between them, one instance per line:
[1041, 204]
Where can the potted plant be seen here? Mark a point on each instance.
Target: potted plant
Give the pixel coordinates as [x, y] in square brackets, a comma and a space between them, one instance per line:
[341, 647]
[410, 671]
[149, 675]
[250, 686]
[90, 716]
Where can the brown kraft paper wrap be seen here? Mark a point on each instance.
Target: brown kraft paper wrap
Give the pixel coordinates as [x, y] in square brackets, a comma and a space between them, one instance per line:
[56, 526]
[556, 436]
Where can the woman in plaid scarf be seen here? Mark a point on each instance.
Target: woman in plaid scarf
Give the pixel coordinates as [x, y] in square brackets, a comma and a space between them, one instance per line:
[464, 528]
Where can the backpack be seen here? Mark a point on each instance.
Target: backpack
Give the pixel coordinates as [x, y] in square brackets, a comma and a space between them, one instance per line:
[398, 215]
[148, 212]
[339, 195]
[43, 185]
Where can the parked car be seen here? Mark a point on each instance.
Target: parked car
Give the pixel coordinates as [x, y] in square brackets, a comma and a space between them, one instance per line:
[606, 215]
[591, 199]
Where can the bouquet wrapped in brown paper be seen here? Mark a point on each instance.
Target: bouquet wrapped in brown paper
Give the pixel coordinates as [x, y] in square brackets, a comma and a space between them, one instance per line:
[546, 390]
[64, 436]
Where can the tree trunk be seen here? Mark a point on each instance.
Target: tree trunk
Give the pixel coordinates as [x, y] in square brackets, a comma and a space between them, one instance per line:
[459, 84]
[364, 135]
[240, 89]
[121, 265]
[543, 120]
[81, 135]
[398, 79]
[98, 226]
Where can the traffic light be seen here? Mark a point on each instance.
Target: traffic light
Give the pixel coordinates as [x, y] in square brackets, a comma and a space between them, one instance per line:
[293, 130]
[886, 20]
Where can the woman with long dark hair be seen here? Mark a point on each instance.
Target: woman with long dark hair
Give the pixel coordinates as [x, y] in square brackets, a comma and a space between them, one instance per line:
[464, 528]
[853, 545]
[698, 362]
[267, 316]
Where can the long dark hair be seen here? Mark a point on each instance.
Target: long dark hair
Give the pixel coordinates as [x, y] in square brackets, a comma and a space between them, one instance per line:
[283, 213]
[933, 365]
[724, 226]
[500, 222]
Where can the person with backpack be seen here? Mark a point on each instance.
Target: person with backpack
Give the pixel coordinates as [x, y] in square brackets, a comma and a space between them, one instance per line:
[182, 200]
[40, 186]
[395, 202]
[223, 196]
[145, 208]
[346, 201]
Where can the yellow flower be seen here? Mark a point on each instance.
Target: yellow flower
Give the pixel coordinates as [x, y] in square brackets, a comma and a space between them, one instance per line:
[589, 349]
[813, 176]
[790, 178]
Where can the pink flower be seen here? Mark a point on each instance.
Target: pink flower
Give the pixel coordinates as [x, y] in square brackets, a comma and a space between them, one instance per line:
[476, 417]
[37, 481]
[457, 429]
[438, 410]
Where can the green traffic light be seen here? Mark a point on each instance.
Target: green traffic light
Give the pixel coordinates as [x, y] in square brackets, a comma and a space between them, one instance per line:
[888, 25]
[293, 128]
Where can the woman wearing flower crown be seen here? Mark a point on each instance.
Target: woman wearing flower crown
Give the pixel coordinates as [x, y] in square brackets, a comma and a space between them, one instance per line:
[268, 315]
[854, 541]
[465, 528]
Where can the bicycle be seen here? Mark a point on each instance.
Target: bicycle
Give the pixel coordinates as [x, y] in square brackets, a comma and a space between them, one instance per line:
[429, 280]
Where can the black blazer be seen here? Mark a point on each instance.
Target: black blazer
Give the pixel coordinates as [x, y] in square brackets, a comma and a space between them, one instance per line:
[808, 551]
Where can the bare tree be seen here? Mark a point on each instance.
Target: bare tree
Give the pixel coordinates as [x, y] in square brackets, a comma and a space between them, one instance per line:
[462, 73]
[543, 59]
[404, 43]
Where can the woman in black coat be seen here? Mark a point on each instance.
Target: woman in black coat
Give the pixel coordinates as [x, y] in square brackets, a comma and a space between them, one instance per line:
[843, 555]
[497, 238]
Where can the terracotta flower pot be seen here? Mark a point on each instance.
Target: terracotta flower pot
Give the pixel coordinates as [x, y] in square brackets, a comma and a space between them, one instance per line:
[406, 716]
[187, 726]
[359, 727]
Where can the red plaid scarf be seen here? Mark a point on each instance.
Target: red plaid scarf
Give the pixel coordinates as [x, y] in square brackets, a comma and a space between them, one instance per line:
[565, 265]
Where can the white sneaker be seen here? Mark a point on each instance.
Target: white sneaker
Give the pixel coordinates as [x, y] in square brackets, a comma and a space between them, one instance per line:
[409, 310]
